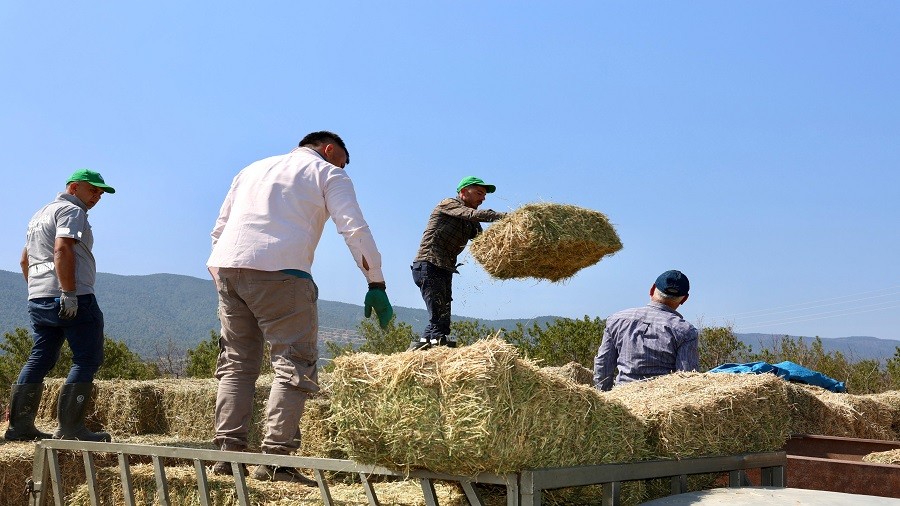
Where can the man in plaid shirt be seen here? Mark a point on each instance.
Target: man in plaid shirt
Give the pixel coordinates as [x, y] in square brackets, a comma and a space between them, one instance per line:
[649, 341]
[453, 222]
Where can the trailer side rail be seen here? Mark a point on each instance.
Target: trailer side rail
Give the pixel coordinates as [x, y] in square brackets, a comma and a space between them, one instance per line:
[534, 481]
[522, 488]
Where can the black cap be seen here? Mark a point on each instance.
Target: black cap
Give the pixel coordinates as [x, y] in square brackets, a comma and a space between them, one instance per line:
[673, 283]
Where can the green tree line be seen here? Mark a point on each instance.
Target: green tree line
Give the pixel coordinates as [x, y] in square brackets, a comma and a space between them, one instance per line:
[552, 344]
[576, 340]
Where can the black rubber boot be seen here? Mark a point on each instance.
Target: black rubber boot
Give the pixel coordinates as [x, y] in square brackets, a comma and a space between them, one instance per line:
[71, 410]
[23, 406]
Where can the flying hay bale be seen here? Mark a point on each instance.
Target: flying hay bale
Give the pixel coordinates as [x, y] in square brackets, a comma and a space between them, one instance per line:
[546, 241]
[818, 411]
[700, 414]
[888, 457]
[479, 408]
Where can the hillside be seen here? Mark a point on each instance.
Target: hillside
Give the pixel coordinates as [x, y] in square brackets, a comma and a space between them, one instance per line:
[146, 312]
[853, 347]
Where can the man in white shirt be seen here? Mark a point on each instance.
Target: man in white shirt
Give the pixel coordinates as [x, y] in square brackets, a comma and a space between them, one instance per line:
[263, 246]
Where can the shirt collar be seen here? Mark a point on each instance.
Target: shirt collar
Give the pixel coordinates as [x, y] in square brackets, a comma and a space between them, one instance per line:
[73, 199]
[311, 150]
[663, 307]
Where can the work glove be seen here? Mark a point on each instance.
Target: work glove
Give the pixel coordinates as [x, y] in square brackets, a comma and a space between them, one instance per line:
[377, 299]
[68, 305]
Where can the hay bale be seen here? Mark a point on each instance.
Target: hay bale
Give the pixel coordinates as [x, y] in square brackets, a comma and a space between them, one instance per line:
[120, 407]
[182, 407]
[15, 467]
[479, 408]
[891, 402]
[318, 432]
[127, 407]
[573, 371]
[47, 409]
[546, 241]
[190, 407]
[701, 414]
[819, 411]
[183, 490]
[888, 457]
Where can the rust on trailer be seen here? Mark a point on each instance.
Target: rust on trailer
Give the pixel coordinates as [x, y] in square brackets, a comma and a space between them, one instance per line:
[835, 464]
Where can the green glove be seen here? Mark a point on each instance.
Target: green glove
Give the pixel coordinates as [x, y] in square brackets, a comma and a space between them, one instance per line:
[377, 299]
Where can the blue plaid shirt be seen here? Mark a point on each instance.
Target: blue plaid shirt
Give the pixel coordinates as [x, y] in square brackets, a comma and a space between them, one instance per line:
[645, 342]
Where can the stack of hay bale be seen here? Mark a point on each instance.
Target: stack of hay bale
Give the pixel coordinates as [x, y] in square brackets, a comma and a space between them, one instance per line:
[812, 410]
[480, 408]
[173, 408]
[819, 411]
[483, 408]
[545, 241]
[697, 414]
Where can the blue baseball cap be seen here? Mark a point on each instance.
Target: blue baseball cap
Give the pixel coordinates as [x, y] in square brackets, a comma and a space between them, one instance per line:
[673, 283]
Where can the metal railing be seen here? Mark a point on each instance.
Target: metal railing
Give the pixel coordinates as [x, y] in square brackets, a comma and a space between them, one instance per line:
[522, 488]
[533, 481]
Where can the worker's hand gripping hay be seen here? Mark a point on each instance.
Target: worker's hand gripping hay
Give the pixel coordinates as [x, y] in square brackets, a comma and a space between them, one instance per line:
[475, 409]
[546, 241]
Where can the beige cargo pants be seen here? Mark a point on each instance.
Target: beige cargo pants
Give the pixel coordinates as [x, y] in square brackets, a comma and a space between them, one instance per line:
[256, 307]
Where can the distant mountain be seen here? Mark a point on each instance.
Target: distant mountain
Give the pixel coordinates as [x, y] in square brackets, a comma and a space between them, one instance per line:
[854, 347]
[147, 312]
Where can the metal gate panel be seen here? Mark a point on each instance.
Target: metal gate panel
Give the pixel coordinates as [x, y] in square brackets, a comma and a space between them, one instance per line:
[525, 487]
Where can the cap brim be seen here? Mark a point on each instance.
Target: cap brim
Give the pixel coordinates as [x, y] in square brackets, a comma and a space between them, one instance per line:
[107, 188]
[488, 188]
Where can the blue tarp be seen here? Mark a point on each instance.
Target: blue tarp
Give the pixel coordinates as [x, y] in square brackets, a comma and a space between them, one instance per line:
[787, 370]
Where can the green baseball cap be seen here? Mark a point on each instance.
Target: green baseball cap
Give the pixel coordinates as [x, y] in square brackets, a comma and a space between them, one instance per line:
[470, 180]
[91, 177]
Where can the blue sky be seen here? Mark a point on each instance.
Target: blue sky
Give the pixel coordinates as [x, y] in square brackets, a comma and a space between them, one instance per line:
[753, 145]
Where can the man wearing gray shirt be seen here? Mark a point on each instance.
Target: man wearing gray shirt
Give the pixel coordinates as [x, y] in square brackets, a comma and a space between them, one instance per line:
[59, 268]
[650, 341]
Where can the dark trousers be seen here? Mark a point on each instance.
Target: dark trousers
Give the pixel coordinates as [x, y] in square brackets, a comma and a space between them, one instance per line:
[435, 285]
[84, 334]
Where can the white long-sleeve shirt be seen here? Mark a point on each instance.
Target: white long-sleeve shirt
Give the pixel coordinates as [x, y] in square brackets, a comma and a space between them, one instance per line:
[274, 214]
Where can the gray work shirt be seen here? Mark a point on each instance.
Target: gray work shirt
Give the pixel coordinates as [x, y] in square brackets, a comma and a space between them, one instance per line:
[64, 217]
[643, 343]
